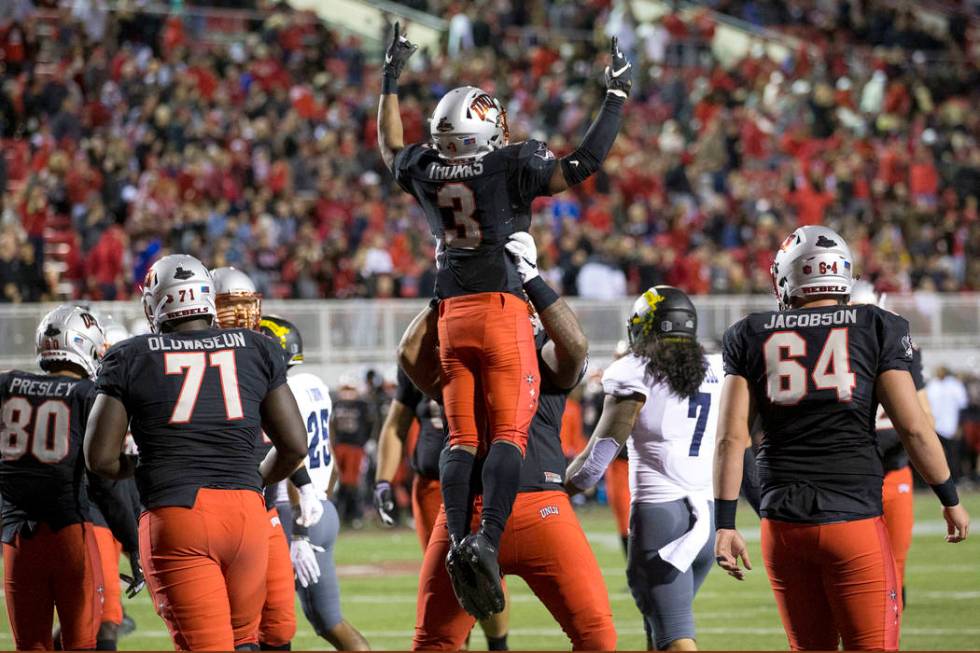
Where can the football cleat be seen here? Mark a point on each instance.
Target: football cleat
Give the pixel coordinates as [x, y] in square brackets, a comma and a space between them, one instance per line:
[465, 584]
[481, 556]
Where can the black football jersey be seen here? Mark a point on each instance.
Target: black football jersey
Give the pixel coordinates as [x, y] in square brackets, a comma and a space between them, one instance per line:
[544, 460]
[473, 207]
[893, 455]
[42, 469]
[432, 437]
[812, 374]
[352, 421]
[193, 399]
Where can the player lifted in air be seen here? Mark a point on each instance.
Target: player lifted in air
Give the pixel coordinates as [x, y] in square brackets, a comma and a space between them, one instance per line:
[196, 398]
[814, 372]
[476, 189]
[50, 556]
[662, 399]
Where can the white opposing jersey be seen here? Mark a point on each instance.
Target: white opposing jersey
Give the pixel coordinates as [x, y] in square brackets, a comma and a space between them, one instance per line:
[673, 441]
[315, 407]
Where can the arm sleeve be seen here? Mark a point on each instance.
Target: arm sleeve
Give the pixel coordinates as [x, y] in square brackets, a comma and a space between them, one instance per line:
[112, 375]
[535, 167]
[625, 378]
[896, 352]
[402, 165]
[733, 351]
[115, 500]
[407, 393]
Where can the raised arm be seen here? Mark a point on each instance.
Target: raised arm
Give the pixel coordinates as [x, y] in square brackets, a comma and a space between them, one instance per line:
[588, 157]
[391, 138]
[564, 356]
[897, 394]
[418, 352]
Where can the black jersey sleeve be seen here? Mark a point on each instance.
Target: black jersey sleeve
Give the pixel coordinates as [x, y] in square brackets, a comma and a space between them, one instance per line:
[917, 377]
[402, 166]
[534, 168]
[896, 351]
[733, 350]
[407, 393]
[275, 359]
[112, 376]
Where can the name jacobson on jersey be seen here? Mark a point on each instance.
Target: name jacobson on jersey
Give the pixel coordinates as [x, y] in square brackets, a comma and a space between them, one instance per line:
[788, 321]
[221, 341]
[21, 386]
[439, 172]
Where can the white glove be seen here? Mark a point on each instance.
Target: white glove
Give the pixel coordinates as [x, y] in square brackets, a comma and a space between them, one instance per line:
[524, 253]
[303, 554]
[310, 508]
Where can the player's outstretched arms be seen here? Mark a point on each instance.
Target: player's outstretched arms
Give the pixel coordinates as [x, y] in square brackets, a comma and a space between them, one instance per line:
[418, 352]
[587, 159]
[733, 438]
[391, 137]
[105, 434]
[896, 392]
[391, 444]
[566, 353]
[284, 426]
[615, 425]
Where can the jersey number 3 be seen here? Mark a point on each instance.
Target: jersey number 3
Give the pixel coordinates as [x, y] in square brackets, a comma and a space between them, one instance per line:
[458, 206]
[786, 377]
[193, 365]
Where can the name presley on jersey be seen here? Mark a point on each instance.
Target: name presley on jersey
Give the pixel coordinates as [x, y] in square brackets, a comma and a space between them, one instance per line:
[31, 387]
[784, 321]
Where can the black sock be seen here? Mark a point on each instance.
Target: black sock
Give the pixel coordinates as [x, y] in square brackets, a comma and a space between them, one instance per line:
[105, 644]
[455, 477]
[497, 643]
[270, 647]
[501, 480]
[625, 539]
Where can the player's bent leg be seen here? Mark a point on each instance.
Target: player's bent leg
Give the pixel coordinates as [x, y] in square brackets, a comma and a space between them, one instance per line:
[278, 624]
[440, 622]
[27, 590]
[557, 563]
[862, 584]
[792, 558]
[899, 513]
[663, 593]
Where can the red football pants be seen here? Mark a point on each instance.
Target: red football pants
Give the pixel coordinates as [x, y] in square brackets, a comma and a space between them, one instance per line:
[543, 543]
[278, 624]
[48, 571]
[426, 502]
[489, 367]
[349, 460]
[618, 493]
[899, 505]
[109, 552]
[834, 582]
[206, 568]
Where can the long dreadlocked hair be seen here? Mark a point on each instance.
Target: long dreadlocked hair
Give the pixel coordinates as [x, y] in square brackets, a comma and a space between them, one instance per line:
[677, 362]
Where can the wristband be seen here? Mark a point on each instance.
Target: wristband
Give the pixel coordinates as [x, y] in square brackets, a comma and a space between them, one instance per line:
[301, 477]
[540, 293]
[389, 85]
[946, 492]
[725, 513]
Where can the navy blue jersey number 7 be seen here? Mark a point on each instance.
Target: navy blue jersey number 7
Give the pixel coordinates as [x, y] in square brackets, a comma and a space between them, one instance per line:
[318, 426]
[701, 400]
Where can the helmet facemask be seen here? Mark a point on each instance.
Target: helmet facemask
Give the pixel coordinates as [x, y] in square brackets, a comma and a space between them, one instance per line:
[242, 310]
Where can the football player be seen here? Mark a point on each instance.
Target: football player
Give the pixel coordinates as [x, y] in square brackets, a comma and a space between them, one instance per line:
[658, 400]
[814, 372]
[311, 544]
[239, 306]
[476, 190]
[543, 542]
[897, 500]
[408, 405]
[50, 556]
[196, 398]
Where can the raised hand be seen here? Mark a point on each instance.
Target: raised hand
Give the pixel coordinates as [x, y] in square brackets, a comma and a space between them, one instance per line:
[619, 73]
[397, 54]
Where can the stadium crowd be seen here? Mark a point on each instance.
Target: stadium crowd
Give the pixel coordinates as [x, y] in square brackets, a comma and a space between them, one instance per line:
[127, 136]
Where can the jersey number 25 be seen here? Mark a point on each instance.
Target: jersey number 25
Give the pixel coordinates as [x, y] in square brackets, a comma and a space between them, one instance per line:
[786, 377]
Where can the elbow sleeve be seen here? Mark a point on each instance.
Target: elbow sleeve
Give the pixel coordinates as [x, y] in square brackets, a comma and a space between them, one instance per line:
[587, 159]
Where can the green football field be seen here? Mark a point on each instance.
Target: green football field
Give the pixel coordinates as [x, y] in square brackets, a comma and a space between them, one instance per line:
[379, 575]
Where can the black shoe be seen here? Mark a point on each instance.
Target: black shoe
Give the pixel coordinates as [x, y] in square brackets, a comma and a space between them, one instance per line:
[464, 584]
[127, 626]
[481, 556]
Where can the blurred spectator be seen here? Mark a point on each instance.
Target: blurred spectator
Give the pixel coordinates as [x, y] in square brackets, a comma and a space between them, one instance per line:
[947, 398]
[352, 428]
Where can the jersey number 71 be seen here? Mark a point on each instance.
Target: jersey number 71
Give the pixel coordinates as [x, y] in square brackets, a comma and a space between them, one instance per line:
[193, 365]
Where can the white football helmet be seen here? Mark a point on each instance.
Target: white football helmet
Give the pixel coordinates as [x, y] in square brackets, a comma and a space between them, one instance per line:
[114, 331]
[468, 123]
[70, 334]
[238, 303]
[812, 261]
[176, 287]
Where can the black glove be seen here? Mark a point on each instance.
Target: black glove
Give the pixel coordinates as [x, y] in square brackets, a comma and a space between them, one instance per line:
[384, 503]
[619, 73]
[135, 582]
[395, 57]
